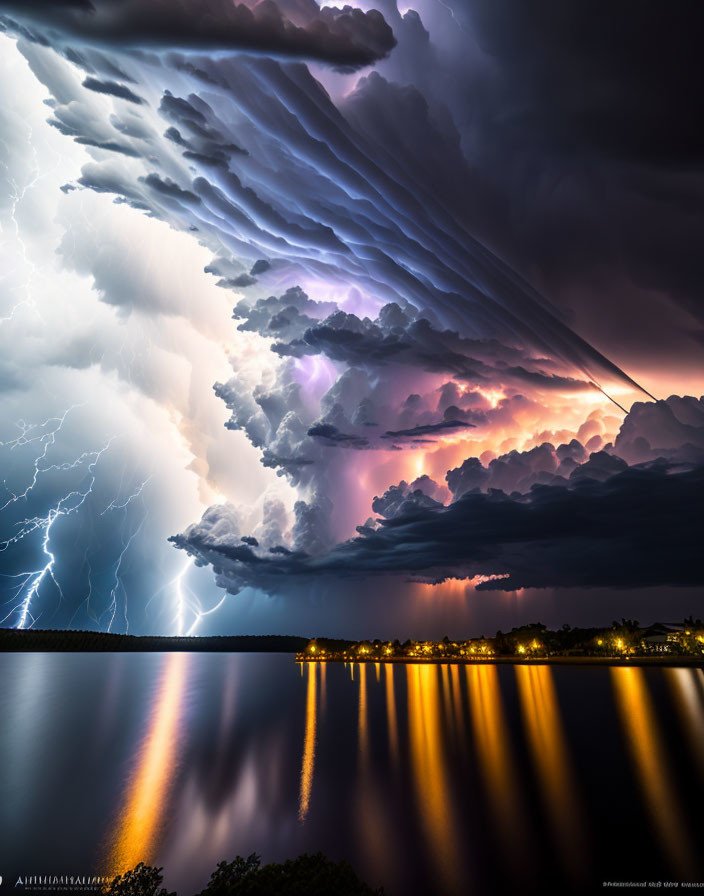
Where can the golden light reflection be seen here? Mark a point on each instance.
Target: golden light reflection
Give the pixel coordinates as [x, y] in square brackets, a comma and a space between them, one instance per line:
[323, 686]
[374, 825]
[362, 720]
[429, 768]
[148, 788]
[448, 705]
[495, 756]
[541, 718]
[308, 762]
[687, 686]
[640, 727]
[391, 718]
[457, 701]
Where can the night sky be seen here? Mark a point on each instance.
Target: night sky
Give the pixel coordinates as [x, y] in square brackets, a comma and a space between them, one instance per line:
[364, 321]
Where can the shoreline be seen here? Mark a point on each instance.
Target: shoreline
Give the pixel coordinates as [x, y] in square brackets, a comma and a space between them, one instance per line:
[662, 661]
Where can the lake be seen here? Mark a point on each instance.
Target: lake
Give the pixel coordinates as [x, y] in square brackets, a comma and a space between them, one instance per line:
[433, 779]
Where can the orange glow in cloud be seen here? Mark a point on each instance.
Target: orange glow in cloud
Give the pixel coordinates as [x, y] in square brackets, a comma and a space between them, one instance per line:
[454, 588]
[556, 418]
[450, 588]
[493, 396]
[512, 424]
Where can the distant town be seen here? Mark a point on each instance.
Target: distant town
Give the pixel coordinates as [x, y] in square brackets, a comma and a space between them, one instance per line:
[625, 640]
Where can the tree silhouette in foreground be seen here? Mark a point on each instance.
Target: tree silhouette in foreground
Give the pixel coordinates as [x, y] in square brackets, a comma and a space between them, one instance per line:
[144, 880]
[305, 876]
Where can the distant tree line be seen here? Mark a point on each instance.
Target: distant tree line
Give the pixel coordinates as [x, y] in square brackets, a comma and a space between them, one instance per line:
[41, 640]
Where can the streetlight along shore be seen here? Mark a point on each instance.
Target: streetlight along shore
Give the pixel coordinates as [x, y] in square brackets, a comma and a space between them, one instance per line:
[623, 643]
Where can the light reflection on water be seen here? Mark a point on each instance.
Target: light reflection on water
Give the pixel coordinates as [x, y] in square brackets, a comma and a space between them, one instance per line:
[147, 793]
[687, 686]
[659, 795]
[497, 762]
[308, 762]
[545, 734]
[428, 778]
[430, 774]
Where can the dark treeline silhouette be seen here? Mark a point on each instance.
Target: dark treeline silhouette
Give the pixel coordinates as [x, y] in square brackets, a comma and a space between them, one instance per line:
[12, 639]
[305, 876]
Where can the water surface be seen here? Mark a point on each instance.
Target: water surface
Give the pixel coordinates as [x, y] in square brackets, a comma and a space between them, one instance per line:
[427, 778]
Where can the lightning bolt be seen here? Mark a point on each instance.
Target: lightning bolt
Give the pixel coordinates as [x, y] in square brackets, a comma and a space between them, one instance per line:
[24, 587]
[187, 599]
[116, 504]
[201, 613]
[112, 609]
[70, 503]
[17, 194]
[33, 432]
[186, 602]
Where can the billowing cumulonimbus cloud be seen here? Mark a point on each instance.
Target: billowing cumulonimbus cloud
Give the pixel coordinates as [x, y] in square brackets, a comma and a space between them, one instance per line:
[641, 527]
[401, 344]
[637, 525]
[347, 38]
[280, 176]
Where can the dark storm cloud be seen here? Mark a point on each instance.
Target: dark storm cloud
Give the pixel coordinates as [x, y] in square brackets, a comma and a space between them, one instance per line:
[108, 146]
[348, 215]
[402, 500]
[395, 337]
[518, 471]
[112, 88]
[347, 38]
[167, 187]
[241, 281]
[673, 429]
[330, 433]
[428, 429]
[623, 78]
[642, 527]
[206, 141]
[583, 161]
[377, 193]
[287, 316]
[546, 517]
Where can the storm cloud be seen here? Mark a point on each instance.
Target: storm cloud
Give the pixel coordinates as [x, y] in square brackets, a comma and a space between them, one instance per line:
[347, 38]
[455, 278]
[642, 527]
[542, 518]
